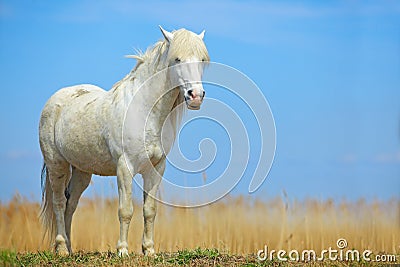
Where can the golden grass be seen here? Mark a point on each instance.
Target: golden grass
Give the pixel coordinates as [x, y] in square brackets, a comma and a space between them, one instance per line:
[235, 224]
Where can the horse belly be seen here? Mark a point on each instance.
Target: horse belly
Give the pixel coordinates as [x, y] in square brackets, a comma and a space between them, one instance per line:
[86, 152]
[92, 161]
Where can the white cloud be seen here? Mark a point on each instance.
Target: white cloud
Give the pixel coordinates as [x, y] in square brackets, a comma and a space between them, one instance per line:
[349, 158]
[251, 22]
[20, 154]
[384, 157]
[388, 157]
[254, 22]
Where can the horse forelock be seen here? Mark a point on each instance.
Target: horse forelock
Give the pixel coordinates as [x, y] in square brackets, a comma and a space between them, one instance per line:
[187, 44]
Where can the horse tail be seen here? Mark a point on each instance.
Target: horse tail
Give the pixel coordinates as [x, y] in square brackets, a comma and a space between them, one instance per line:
[47, 216]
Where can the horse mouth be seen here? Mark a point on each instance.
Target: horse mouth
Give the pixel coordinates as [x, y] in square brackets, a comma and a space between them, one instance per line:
[192, 107]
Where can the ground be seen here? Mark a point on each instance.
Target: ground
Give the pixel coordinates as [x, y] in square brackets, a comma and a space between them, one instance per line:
[197, 257]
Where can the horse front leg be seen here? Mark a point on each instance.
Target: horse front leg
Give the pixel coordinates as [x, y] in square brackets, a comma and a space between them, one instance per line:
[151, 181]
[125, 205]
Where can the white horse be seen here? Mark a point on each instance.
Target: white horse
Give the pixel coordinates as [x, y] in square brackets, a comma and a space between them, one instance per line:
[82, 128]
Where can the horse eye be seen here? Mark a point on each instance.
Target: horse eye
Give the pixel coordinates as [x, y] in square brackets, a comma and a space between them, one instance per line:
[203, 60]
[177, 60]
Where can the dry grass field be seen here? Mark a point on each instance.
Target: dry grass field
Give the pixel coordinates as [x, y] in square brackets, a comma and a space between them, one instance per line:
[234, 225]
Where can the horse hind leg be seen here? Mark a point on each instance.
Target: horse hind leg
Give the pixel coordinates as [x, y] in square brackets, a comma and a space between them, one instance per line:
[59, 175]
[79, 182]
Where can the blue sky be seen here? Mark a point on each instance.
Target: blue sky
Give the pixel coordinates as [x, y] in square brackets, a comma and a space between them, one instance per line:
[330, 71]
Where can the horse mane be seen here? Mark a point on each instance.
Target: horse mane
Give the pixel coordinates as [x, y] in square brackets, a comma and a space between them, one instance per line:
[151, 56]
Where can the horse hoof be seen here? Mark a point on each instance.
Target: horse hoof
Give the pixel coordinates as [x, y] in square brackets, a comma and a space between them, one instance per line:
[123, 252]
[148, 251]
[61, 247]
[62, 251]
[122, 248]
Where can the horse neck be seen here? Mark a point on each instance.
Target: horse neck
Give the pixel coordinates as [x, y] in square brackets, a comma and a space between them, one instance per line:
[153, 95]
[163, 100]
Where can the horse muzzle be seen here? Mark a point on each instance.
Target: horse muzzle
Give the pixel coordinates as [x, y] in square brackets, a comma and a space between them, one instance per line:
[194, 101]
[193, 104]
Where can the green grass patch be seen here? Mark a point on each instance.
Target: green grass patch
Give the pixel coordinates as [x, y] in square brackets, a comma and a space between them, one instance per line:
[196, 257]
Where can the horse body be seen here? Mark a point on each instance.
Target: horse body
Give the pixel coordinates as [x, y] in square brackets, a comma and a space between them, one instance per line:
[64, 116]
[83, 132]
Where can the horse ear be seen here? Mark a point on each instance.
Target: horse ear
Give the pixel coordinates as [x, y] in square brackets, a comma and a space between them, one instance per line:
[201, 35]
[167, 35]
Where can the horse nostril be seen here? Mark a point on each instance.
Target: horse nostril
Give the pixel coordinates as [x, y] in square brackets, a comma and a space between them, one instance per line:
[190, 93]
[204, 94]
